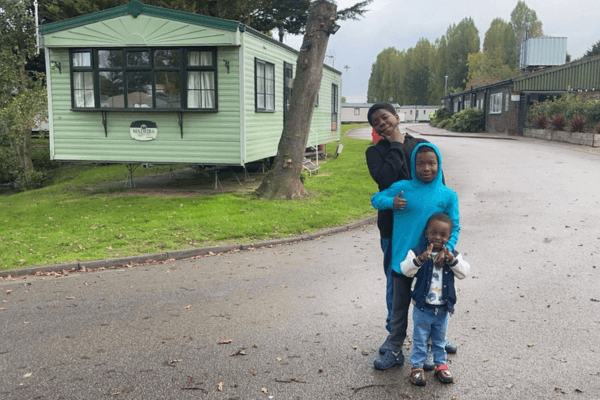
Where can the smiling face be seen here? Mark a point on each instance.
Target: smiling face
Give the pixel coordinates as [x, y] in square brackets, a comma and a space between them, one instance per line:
[427, 165]
[384, 122]
[438, 233]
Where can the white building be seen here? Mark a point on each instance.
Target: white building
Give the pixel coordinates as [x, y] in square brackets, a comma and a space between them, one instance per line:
[357, 112]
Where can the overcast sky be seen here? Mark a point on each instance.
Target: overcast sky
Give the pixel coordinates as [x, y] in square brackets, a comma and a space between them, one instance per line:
[400, 23]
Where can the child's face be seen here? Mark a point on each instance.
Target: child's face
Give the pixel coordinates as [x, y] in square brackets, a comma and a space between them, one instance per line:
[438, 233]
[384, 122]
[427, 166]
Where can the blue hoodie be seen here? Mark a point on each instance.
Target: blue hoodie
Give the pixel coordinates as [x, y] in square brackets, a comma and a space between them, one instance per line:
[422, 201]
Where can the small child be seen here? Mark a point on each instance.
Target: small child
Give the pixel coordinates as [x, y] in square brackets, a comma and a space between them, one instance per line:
[433, 296]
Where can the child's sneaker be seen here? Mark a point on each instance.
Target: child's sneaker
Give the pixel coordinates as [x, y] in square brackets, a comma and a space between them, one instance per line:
[417, 376]
[388, 360]
[443, 374]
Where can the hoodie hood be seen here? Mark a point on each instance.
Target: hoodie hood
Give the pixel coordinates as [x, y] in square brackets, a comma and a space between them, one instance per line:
[413, 164]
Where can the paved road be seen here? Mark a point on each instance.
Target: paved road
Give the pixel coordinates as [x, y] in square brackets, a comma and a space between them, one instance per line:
[305, 320]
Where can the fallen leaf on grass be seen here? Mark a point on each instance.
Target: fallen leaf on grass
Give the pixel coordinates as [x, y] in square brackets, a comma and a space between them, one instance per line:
[225, 341]
[220, 387]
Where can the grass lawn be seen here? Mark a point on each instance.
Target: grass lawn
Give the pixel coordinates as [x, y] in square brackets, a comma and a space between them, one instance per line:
[64, 222]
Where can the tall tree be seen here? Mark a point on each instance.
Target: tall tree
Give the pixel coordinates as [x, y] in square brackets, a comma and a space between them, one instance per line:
[290, 16]
[486, 68]
[500, 42]
[416, 80]
[462, 40]
[22, 95]
[594, 50]
[525, 25]
[284, 16]
[283, 180]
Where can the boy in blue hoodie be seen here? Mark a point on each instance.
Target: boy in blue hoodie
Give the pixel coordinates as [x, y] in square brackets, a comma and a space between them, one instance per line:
[413, 202]
[433, 296]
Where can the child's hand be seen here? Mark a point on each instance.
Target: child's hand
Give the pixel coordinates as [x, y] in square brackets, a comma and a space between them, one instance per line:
[426, 254]
[448, 256]
[399, 202]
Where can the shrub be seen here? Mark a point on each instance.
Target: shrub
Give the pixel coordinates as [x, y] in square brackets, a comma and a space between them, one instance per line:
[468, 120]
[558, 122]
[440, 115]
[541, 122]
[40, 157]
[7, 165]
[592, 113]
[578, 123]
[446, 124]
[35, 180]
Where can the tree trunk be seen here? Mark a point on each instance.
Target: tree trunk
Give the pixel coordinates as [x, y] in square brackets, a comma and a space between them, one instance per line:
[283, 180]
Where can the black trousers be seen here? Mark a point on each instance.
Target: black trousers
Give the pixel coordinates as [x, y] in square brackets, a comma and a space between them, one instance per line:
[400, 304]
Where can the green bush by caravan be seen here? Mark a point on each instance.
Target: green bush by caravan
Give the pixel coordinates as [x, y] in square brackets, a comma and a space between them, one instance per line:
[144, 84]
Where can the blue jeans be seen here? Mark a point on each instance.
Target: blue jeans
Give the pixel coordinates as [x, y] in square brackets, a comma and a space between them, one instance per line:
[386, 247]
[429, 322]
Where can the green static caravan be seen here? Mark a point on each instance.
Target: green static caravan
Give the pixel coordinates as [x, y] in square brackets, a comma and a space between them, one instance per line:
[145, 84]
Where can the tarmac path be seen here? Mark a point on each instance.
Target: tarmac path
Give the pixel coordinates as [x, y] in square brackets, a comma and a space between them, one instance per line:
[305, 320]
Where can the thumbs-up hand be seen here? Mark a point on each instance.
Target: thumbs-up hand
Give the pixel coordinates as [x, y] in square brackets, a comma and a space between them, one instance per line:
[399, 202]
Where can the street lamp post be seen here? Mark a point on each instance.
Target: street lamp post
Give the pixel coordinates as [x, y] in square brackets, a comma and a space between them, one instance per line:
[446, 85]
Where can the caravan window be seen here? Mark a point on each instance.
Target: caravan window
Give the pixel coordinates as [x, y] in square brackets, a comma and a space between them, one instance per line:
[144, 78]
[264, 82]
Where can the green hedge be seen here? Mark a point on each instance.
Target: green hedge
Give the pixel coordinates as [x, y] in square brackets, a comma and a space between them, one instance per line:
[467, 120]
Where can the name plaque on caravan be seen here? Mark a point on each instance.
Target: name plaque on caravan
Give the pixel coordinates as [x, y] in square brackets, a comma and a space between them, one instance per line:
[143, 130]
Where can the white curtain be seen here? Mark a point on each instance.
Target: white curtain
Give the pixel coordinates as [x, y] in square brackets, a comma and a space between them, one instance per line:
[201, 84]
[81, 59]
[199, 58]
[270, 87]
[83, 89]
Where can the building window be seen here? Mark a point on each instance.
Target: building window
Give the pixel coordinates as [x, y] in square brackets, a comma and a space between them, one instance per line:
[357, 111]
[334, 107]
[496, 103]
[264, 82]
[144, 78]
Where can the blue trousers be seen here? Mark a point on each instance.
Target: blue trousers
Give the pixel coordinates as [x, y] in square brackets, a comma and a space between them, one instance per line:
[429, 321]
